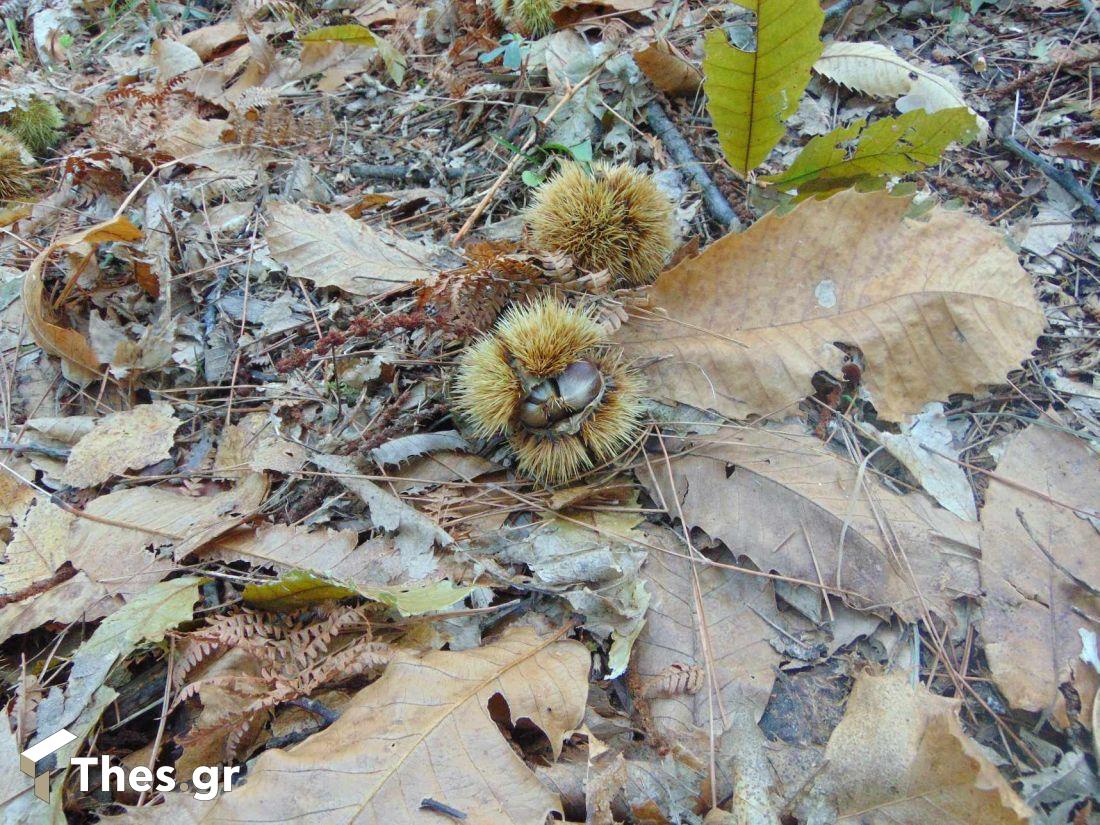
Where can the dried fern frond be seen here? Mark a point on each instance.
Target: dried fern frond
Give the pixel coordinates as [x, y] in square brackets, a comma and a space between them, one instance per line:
[468, 300]
[272, 123]
[293, 655]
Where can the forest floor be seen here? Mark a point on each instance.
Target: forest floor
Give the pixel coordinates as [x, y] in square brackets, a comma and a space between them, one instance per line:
[847, 567]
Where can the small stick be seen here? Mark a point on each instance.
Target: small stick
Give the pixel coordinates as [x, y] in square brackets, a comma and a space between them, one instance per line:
[518, 157]
[665, 130]
[1065, 571]
[398, 172]
[1059, 176]
[429, 804]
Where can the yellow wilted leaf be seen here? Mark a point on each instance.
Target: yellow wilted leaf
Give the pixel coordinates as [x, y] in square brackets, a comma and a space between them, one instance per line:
[67, 344]
[122, 441]
[888, 146]
[751, 94]
[355, 35]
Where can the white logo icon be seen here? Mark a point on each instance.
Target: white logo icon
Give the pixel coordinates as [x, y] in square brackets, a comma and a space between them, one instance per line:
[29, 759]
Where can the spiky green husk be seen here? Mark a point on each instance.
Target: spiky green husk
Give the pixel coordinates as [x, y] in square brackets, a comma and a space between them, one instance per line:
[14, 172]
[533, 18]
[612, 218]
[36, 124]
[537, 341]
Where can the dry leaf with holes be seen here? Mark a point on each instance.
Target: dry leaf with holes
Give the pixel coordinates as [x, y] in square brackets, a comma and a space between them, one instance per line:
[422, 730]
[938, 306]
[1034, 608]
[77, 358]
[900, 757]
[120, 442]
[792, 505]
[335, 250]
[736, 607]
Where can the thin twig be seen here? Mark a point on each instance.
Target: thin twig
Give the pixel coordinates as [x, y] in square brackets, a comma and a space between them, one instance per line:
[31, 447]
[713, 199]
[519, 156]
[1065, 571]
[1059, 176]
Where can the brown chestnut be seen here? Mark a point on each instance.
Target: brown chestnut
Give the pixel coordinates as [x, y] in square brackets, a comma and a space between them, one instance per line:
[579, 385]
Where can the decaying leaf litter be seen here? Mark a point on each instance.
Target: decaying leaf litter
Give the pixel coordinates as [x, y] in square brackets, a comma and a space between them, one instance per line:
[801, 529]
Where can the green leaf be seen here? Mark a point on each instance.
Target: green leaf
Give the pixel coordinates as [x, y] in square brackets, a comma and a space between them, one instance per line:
[301, 588]
[426, 598]
[355, 35]
[751, 94]
[860, 153]
[298, 588]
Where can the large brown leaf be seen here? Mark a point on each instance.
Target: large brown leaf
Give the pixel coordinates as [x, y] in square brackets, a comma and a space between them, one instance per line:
[900, 757]
[421, 731]
[1033, 610]
[792, 505]
[938, 306]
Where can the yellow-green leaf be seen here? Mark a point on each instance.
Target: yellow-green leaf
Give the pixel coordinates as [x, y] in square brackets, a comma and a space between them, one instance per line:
[298, 588]
[890, 146]
[301, 588]
[420, 599]
[355, 35]
[751, 94]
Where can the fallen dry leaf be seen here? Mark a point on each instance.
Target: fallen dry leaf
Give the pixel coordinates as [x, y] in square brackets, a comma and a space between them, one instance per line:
[138, 522]
[668, 71]
[171, 58]
[422, 730]
[791, 505]
[877, 70]
[146, 619]
[254, 445]
[70, 346]
[1029, 624]
[122, 441]
[900, 757]
[1086, 150]
[937, 306]
[335, 250]
[735, 609]
[78, 599]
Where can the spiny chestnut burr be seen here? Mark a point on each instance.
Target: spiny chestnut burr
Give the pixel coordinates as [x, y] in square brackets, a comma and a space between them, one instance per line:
[15, 172]
[546, 379]
[612, 217]
[533, 18]
[36, 124]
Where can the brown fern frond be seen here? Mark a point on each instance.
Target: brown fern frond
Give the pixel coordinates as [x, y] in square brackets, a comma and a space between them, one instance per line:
[468, 300]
